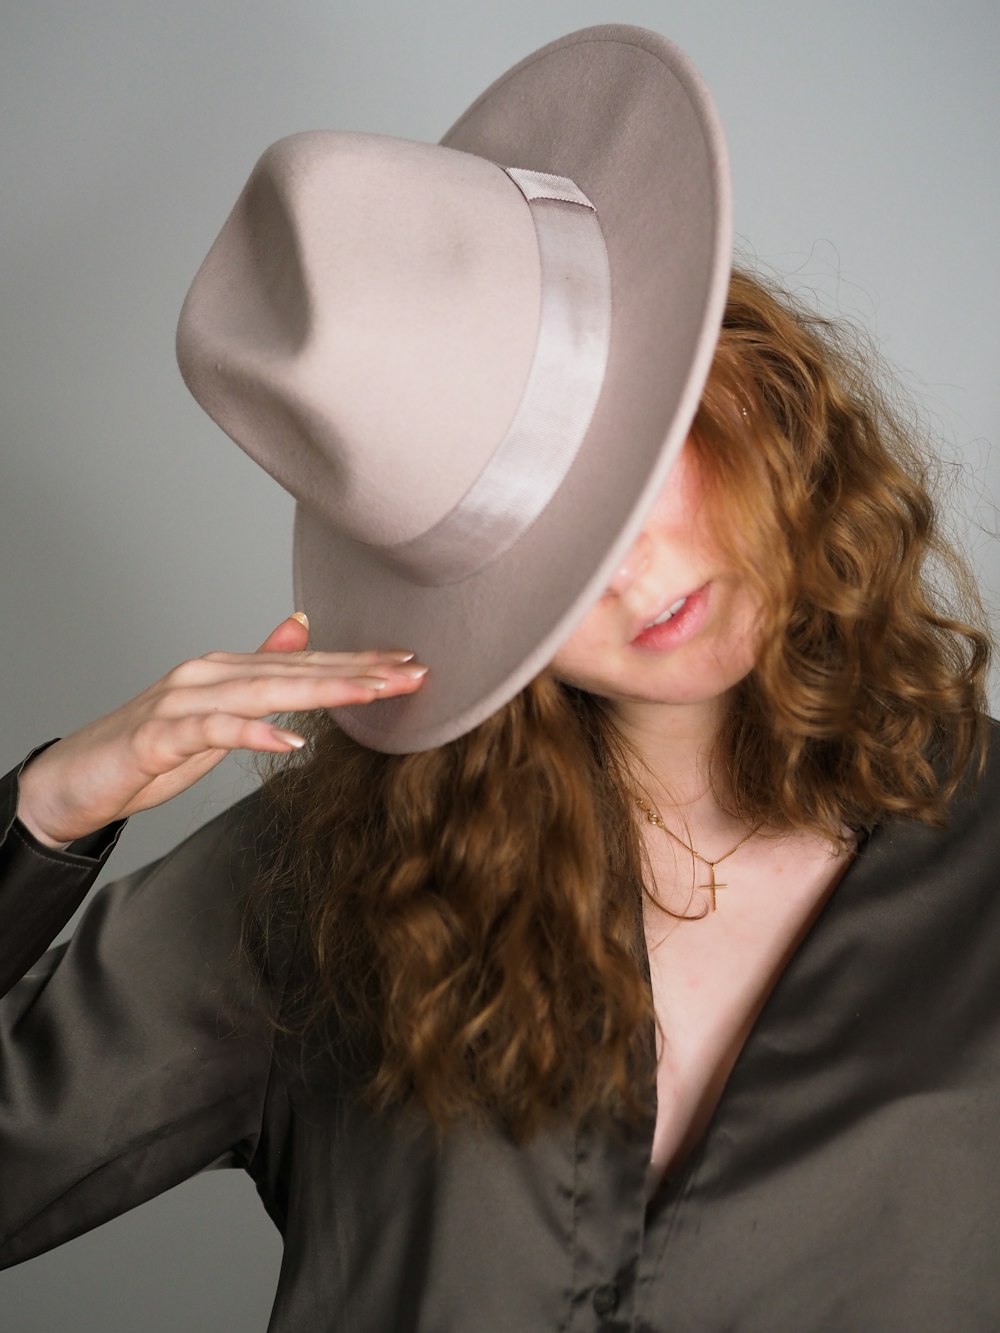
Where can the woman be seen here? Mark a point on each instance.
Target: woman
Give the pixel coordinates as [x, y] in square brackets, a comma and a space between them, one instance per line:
[467, 964]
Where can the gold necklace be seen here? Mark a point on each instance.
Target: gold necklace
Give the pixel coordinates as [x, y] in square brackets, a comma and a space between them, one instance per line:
[656, 818]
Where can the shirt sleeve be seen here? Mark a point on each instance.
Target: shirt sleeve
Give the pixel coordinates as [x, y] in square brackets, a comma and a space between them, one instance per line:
[40, 888]
[138, 1053]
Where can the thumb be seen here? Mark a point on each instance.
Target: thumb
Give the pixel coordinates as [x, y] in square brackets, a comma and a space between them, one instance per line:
[291, 636]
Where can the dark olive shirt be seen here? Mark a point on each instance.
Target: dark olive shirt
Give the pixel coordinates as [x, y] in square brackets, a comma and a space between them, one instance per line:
[849, 1180]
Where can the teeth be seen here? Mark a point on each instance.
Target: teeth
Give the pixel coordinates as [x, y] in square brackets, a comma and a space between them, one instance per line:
[670, 611]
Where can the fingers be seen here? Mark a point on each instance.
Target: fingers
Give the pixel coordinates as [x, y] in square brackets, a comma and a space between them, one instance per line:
[169, 738]
[291, 635]
[225, 665]
[218, 702]
[167, 742]
[218, 674]
[255, 695]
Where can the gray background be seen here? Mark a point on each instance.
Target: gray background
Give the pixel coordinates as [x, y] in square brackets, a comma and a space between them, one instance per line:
[133, 534]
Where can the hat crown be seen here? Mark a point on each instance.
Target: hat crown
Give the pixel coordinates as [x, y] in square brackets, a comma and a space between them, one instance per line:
[370, 308]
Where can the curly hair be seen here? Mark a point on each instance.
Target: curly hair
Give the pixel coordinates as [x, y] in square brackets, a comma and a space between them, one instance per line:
[472, 914]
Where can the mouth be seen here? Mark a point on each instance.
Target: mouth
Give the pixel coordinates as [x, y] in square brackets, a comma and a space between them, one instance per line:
[666, 613]
[675, 623]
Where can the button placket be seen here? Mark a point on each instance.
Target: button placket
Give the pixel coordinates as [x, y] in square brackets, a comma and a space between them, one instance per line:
[605, 1299]
[608, 1228]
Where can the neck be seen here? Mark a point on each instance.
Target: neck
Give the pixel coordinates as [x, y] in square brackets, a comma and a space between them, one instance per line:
[675, 742]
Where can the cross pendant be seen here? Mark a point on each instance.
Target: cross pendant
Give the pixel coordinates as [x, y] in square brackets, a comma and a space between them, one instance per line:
[712, 886]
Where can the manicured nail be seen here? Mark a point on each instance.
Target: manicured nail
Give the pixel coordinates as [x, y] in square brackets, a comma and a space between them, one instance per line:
[396, 655]
[301, 617]
[288, 737]
[414, 672]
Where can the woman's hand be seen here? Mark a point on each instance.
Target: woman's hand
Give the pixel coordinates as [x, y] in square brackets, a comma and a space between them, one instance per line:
[173, 733]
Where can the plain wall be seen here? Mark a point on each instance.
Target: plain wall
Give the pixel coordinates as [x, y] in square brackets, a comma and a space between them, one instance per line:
[133, 534]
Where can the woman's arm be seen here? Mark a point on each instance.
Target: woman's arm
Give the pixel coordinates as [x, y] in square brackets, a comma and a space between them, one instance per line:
[75, 793]
[40, 887]
[138, 1053]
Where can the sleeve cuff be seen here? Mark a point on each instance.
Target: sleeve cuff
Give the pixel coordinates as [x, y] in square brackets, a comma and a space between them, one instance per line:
[90, 851]
[40, 887]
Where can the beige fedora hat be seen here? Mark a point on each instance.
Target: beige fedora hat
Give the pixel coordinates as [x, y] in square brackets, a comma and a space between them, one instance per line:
[473, 363]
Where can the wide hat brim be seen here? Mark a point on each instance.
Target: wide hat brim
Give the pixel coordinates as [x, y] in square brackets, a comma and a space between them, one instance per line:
[622, 112]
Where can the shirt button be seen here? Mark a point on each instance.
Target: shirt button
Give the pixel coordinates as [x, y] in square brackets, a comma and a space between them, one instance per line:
[605, 1299]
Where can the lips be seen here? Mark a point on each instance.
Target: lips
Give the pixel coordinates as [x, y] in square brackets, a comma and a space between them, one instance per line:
[641, 627]
[675, 608]
[681, 626]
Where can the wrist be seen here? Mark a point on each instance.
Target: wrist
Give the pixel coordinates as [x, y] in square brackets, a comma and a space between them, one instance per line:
[39, 833]
[27, 817]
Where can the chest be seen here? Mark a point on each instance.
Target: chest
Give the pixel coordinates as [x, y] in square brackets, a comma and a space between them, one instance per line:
[710, 976]
[856, 1188]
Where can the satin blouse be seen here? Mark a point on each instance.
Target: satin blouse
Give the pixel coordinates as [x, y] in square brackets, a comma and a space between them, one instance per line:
[849, 1179]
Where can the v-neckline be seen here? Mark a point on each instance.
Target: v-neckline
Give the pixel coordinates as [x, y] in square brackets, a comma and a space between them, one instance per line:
[673, 1183]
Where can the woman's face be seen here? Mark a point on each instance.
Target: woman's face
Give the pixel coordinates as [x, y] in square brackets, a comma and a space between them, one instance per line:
[706, 649]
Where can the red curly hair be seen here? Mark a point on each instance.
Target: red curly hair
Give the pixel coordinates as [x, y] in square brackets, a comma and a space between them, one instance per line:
[472, 914]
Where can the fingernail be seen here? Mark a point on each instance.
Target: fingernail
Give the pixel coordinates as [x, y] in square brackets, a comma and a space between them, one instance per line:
[394, 655]
[301, 617]
[288, 737]
[414, 672]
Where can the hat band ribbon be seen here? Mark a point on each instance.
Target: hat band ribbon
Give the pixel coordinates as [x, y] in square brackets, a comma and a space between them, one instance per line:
[561, 391]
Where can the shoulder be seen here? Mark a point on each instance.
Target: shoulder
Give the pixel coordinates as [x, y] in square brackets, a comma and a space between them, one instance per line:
[978, 791]
[228, 848]
[962, 848]
[189, 909]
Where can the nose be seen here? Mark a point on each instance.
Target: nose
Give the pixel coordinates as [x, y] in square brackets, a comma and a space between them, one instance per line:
[633, 566]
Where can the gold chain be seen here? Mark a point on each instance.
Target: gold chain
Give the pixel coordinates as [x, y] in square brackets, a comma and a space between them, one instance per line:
[654, 817]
